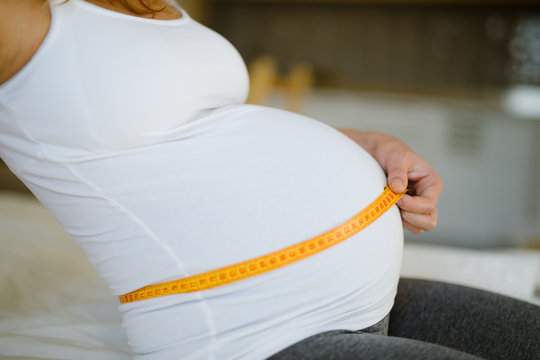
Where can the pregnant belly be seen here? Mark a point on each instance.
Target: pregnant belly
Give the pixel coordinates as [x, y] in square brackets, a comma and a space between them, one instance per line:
[246, 181]
[255, 180]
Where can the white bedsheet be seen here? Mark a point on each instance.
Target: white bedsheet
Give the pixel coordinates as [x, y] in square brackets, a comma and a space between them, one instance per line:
[53, 305]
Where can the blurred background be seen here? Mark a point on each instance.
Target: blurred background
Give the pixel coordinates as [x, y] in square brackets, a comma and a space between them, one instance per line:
[458, 81]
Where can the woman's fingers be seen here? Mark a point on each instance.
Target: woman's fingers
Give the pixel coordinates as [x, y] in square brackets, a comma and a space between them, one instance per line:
[397, 171]
[415, 222]
[405, 169]
[417, 204]
[419, 210]
[413, 229]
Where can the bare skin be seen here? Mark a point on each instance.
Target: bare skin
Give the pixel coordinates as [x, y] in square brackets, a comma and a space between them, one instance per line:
[23, 26]
[25, 23]
[168, 12]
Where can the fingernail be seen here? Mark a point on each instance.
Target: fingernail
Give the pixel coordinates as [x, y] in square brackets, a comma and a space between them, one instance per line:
[396, 184]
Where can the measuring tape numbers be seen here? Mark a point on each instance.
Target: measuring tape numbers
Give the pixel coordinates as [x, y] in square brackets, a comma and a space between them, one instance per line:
[272, 261]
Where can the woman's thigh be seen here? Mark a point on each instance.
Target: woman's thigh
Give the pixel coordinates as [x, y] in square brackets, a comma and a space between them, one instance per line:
[488, 325]
[357, 345]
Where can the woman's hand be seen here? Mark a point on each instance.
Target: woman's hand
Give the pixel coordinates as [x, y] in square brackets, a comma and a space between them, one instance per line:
[405, 169]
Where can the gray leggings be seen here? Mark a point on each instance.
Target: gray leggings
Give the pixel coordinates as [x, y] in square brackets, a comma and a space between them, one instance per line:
[434, 320]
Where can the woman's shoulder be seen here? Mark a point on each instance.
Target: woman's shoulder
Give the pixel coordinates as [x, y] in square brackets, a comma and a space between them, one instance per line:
[23, 26]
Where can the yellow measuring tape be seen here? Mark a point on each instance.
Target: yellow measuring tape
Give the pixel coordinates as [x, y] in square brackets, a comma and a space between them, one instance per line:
[272, 261]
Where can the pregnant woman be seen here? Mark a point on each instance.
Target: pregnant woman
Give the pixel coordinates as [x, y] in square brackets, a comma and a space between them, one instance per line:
[127, 120]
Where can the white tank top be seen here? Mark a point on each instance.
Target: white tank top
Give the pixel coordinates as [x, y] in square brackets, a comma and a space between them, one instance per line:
[133, 133]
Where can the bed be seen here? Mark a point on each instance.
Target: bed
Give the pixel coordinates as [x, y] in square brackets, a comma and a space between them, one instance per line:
[54, 306]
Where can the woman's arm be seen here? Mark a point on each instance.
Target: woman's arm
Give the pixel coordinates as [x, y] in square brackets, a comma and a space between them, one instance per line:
[405, 169]
[23, 26]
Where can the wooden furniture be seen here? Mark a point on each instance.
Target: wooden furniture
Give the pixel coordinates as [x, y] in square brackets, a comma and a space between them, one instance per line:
[266, 81]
